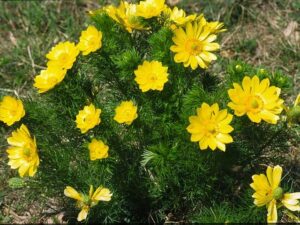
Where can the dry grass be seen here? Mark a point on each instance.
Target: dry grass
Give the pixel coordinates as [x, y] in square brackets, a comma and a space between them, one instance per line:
[275, 37]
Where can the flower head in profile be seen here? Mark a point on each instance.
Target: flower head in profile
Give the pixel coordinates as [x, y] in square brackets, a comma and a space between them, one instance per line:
[151, 76]
[49, 78]
[214, 26]
[256, 99]
[150, 8]
[22, 152]
[90, 40]
[125, 15]
[269, 193]
[63, 55]
[98, 150]
[293, 113]
[194, 44]
[178, 16]
[88, 118]
[11, 110]
[85, 202]
[126, 112]
[210, 127]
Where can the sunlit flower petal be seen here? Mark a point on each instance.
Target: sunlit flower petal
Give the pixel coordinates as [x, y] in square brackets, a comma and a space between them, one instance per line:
[22, 153]
[88, 118]
[126, 112]
[210, 127]
[98, 150]
[151, 76]
[90, 40]
[193, 45]
[256, 99]
[11, 110]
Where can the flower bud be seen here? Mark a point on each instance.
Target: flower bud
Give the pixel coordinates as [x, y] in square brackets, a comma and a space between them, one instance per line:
[238, 68]
[262, 71]
[278, 193]
[86, 199]
[293, 115]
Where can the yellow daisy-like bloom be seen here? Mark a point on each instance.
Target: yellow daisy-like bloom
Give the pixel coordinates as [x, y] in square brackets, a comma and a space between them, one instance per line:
[151, 76]
[126, 15]
[194, 44]
[49, 78]
[268, 192]
[126, 112]
[178, 16]
[210, 127]
[63, 55]
[88, 118]
[90, 40]
[85, 202]
[256, 99]
[22, 153]
[98, 150]
[11, 110]
[150, 8]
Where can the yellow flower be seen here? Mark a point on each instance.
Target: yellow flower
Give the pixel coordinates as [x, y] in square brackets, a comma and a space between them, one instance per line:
[256, 99]
[297, 100]
[11, 110]
[49, 78]
[22, 153]
[63, 55]
[194, 44]
[98, 150]
[215, 26]
[151, 76]
[178, 16]
[90, 40]
[85, 202]
[291, 201]
[126, 112]
[268, 192]
[210, 127]
[88, 118]
[150, 8]
[126, 15]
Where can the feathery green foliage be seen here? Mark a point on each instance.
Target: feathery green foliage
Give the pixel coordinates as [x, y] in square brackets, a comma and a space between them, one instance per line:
[152, 168]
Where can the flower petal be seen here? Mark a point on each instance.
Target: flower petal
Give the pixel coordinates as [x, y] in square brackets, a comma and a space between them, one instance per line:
[272, 212]
[277, 172]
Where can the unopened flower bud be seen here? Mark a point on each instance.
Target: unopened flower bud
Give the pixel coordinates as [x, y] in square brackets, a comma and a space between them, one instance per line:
[278, 193]
[238, 68]
[293, 115]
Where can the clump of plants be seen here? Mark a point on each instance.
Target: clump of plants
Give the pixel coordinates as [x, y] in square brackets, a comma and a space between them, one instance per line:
[133, 109]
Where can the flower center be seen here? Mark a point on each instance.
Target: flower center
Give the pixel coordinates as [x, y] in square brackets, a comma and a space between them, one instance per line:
[255, 103]
[194, 46]
[153, 78]
[88, 119]
[92, 41]
[127, 113]
[63, 57]
[210, 128]
[86, 199]
[27, 152]
[12, 112]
